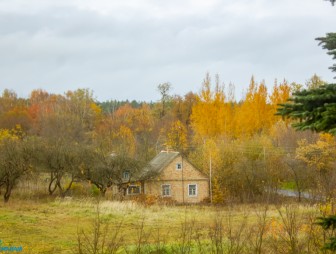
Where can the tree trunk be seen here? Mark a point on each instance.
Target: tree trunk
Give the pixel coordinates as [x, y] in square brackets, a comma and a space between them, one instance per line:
[69, 186]
[8, 192]
[102, 191]
[51, 189]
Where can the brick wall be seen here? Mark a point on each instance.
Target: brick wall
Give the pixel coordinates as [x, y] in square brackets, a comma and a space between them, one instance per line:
[179, 189]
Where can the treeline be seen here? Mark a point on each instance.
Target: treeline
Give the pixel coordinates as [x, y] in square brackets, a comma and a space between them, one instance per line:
[72, 138]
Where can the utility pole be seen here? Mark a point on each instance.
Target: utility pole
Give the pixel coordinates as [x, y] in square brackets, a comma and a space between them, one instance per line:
[182, 178]
[210, 184]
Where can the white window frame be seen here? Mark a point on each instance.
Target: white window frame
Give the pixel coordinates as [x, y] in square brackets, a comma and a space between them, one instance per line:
[179, 166]
[163, 195]
[126, 175]
[138, 186]
[196, 190]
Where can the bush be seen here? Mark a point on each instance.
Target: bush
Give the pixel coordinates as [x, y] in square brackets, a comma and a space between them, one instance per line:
[94, 191]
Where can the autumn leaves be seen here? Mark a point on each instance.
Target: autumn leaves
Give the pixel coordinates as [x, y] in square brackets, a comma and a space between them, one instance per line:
[247, 143]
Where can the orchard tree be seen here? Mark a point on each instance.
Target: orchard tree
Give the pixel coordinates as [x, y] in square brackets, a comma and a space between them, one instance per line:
[63, 161]
[112, 169]
[63, 141]
[16, 154]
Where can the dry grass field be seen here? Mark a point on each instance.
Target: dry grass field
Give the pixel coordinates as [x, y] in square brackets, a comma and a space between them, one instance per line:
[89, 226]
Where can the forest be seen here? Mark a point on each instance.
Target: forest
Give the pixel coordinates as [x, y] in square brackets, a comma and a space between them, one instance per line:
[67, 140]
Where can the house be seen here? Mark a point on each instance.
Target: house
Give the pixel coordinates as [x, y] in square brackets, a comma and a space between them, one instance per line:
[170, 175]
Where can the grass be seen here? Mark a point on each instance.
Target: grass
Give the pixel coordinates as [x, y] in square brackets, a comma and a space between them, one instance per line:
[52, 226]
[290, 185]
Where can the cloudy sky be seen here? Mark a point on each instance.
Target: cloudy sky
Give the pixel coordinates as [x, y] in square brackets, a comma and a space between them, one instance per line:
[123, 49]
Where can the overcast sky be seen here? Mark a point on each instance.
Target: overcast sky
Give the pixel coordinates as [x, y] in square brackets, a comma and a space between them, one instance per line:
[123, 49]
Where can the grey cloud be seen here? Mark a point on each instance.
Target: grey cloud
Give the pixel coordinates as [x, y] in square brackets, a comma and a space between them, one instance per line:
[126, 54]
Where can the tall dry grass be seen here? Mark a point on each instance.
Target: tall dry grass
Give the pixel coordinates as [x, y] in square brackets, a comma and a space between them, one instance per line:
[287, 229]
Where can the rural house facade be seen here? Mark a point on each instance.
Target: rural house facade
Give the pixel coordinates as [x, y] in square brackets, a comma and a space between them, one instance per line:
[170, 175]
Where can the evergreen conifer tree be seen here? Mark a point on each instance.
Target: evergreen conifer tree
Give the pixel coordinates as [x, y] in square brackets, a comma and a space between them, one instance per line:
[315, 109]
[329, 42]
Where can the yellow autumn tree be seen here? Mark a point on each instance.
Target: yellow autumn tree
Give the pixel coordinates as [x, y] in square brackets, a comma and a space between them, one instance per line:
[211, 116]
[212, 120]
[321, 157]
[254, 114]
[123, 141]
[207, 157]
[176, 138]
[11, 134]
[280, 94]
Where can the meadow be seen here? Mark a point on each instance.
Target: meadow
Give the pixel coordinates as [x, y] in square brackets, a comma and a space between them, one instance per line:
[90, 225]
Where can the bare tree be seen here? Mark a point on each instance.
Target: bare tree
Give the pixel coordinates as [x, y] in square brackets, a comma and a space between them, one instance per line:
[15, 161]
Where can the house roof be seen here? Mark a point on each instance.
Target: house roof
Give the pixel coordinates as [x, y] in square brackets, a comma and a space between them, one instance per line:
[162, 160]
[159, 162]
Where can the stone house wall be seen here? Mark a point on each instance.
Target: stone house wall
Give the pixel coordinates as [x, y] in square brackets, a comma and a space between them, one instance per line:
[179, 180]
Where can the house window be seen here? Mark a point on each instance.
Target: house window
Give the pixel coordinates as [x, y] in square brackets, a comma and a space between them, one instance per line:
[126, 175]
[133, 190]
[179, 166]
[165, 190]
[192, 190]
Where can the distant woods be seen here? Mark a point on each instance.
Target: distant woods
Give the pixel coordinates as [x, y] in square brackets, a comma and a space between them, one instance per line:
[71, 139]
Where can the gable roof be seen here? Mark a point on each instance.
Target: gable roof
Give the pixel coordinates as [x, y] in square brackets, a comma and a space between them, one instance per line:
[162, 160]
[159, 163]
